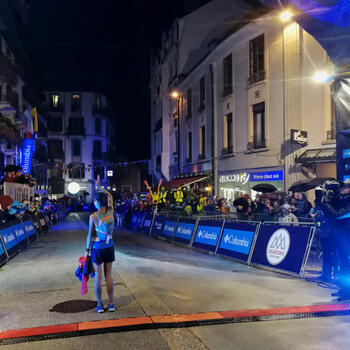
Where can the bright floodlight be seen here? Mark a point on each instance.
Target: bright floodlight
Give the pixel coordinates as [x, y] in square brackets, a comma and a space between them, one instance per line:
[286, 16]
[321, 77]
[174, 94]
[73, 188]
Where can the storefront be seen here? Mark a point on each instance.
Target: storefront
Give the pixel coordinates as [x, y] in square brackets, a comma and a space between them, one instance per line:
[244, 180]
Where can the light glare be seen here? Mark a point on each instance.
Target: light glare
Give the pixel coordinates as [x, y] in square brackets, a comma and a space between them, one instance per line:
[73, 188]
[321, 77]
[286, 16]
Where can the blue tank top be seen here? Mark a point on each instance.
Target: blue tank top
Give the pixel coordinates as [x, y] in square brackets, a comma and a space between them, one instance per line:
[104, 229]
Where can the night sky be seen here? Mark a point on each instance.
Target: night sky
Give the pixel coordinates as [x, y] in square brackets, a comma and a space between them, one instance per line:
[102, 46]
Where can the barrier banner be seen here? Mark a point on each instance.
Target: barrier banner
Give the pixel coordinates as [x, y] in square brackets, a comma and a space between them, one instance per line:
[133, 222]
[139, 220]
[207, 234]
[3, 255]
[236, 240]
[9, 238]
[184, 230]
[21, 234]
[281, 247]
[169, 227]
[37, 226]
[147, 222]
[158, 225]
[29, 227]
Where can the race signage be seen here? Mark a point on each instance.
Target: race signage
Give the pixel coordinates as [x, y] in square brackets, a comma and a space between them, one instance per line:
[169, 227]
[27, 155]
[236, 240]
[9, 238]
[3, 255]
[281, 247]
[184, 231]
[207, 235]
[147, 222]
[158, 225]
[29, 227]
[21, 234]
[139, 220]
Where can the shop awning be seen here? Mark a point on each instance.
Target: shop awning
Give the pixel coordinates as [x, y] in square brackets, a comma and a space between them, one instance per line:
[321, 155]
[183, 182]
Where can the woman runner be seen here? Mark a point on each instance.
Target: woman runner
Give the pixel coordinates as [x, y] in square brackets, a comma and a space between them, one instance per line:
[101, 225]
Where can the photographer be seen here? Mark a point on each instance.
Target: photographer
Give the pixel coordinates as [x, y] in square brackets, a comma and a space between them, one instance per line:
[336, 203]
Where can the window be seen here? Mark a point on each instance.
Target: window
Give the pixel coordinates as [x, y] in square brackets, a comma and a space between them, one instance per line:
[99, 170]
[98, 126]
[189, 147]
[175, 142]
[76, 148]
[256, 59]
[202, 142]
[202, 93]
[228, 136]
[227, 63]
[76, 103]
[54, 102]
[55, 125]
[97, 151]
[55, 148]
[76, 171]
[259, 125]
[76, 126]
[98, 102]
[189, 103]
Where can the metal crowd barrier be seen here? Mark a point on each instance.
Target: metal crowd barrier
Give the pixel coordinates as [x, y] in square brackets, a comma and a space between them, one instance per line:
[277, 246]
[17, 235]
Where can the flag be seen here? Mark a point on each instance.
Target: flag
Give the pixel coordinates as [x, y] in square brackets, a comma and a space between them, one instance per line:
[35, 116]
[28, 122]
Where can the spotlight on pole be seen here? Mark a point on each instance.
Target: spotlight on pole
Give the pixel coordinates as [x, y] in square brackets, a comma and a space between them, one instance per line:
[73, 188]
[286, 16]
[174, 94]
[321, 77]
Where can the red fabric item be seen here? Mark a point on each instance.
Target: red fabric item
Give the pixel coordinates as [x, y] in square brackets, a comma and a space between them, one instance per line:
[85, 278]
[5, 202]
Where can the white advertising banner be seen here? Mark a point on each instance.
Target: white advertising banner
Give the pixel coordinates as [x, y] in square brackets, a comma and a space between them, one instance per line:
[18, 192]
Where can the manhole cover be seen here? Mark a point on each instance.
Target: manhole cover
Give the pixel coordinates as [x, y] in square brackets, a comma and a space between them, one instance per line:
[74, 306]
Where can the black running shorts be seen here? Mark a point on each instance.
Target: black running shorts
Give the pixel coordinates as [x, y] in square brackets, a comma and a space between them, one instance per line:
[99, 256]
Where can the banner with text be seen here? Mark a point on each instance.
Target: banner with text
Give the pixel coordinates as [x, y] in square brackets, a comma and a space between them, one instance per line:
[207, 234]
[236, 240]
[184, 230]
[21, 234]
[3, 255]
[29, 227]
[169, 227]
[281, 247]
[158, 225]
[9, 238]
[147, 222]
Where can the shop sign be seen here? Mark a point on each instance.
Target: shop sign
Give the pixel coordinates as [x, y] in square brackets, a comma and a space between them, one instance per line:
[242, 178]
[298, 136]
[267, 176]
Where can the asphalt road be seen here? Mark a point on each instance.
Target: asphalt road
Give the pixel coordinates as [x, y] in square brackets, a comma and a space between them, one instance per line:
[154, 277]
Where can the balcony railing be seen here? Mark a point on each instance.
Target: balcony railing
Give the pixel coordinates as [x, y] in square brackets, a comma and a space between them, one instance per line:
[56, 154]
[331, 134]
[188, 159]
[256, 77]
[227, 150]
[201, 156]
[251, 146]
[106, 111]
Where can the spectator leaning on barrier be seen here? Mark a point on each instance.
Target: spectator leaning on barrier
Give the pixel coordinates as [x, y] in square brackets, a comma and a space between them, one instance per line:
[286, 215]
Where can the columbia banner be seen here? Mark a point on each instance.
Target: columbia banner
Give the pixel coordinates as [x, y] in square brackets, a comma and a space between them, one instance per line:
[237, 239]
[184, 230]
[281, 247]
[21, 234]
[147, 222]
[158, 225]
[207, 235]
[9, 238]
[3, 255]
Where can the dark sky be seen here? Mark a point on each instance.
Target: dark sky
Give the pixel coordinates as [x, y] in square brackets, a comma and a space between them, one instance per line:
[102, 45]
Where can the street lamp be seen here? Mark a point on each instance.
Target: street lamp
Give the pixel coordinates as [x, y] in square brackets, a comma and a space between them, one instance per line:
[286, 16]
[322, 77]
[176, 96]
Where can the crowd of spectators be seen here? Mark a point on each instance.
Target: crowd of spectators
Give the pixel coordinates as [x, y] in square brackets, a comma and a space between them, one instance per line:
[54, 209]
[283, 207]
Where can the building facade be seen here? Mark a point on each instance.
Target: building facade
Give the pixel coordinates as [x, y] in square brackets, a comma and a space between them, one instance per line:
[79, 141]
[247, 109]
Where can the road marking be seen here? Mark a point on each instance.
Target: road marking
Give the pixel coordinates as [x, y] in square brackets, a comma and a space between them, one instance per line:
[160, 322]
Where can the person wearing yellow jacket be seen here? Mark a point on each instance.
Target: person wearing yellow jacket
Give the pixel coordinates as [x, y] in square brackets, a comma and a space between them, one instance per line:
[154, 195]
[178, 196]
[162, 195]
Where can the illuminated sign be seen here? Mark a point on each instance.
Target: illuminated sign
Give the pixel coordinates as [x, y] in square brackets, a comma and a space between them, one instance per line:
[27, 155]
[267, 176]
[241, 178]
[73, 188]
[109, 172]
